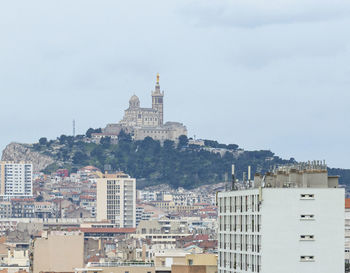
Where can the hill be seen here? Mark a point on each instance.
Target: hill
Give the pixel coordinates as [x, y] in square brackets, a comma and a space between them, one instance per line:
[179, 165]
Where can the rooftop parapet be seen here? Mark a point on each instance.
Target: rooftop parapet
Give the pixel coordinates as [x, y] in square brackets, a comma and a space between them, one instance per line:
[311, 174]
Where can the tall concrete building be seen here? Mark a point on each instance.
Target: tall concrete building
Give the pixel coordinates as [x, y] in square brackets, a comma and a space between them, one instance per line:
[16, 179]
[116, 199]
[290, 220]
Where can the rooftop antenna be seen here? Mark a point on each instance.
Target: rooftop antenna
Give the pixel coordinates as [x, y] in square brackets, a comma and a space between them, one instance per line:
[233, 178]
[73, 127]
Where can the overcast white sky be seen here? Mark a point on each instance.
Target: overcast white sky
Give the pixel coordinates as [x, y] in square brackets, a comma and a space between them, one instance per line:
[262, 74]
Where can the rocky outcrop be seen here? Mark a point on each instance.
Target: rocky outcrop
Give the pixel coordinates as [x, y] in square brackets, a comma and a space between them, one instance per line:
[22, 152]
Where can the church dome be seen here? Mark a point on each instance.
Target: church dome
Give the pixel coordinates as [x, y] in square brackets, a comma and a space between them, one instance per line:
[134, 101]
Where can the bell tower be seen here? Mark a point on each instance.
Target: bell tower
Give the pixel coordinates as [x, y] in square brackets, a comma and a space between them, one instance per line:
[157, 101]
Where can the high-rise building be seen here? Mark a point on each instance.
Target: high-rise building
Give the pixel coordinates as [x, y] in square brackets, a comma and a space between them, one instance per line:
[290, 220]
[116, 199]
[16, 179]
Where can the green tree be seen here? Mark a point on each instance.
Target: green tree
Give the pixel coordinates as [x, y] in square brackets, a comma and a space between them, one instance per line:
[168, 145]
[62, 139]
[90, 131]
[43, 141]
[123, 136]
[105, 141]
[183, 141]
[79, 158]
[232, 146]
[39, 198]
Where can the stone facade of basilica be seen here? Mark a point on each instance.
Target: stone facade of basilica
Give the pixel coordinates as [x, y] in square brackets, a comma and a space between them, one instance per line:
[147, 122]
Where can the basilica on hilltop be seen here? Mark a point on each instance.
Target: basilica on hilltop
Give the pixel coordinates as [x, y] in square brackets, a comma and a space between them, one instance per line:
[146, 122]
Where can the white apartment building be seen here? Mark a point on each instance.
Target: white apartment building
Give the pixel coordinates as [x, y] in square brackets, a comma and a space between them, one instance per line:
[16, 179]
[116, 199]
[291, 220]
[347, 230]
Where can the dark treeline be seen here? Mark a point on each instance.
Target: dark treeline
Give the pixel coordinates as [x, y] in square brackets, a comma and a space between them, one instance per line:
[179, 165]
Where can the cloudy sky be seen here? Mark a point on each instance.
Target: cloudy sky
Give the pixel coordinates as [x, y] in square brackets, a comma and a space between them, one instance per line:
[262, 74]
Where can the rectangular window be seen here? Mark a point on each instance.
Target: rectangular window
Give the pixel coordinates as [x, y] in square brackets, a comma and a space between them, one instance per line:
[307, 237]
[307, 217]
[307, 258]
[307, 196]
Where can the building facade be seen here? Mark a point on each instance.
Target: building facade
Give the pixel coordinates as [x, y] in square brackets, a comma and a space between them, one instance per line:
[58, 251]
[145, 117]
[16, 179]
[116, 199]
[270, 228]
[145, 122]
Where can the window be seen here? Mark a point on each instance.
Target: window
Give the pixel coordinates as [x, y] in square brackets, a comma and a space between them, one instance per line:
[190, 262]
[307, 258]
[307, 237]
[307, 217]
[307, 196]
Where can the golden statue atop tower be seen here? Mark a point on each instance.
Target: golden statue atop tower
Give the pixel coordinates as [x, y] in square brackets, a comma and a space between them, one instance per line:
[157, 78]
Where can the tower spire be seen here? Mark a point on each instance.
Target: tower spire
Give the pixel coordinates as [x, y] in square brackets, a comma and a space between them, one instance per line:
[157, 101]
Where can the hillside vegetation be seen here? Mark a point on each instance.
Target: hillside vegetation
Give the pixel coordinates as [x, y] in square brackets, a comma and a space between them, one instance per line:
[179, 165]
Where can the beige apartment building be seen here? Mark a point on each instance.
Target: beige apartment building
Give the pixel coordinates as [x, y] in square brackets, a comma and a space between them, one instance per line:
[116, 199]
[58, 251]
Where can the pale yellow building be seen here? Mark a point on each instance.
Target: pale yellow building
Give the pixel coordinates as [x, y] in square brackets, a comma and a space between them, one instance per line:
[179, 261]
[116, 199]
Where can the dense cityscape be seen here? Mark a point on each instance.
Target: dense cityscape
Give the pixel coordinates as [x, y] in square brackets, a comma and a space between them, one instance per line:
[187, 136]
[87, 219]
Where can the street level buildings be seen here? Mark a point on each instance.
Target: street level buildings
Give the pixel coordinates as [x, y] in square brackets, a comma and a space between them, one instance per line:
[291, 220]
[116, 199]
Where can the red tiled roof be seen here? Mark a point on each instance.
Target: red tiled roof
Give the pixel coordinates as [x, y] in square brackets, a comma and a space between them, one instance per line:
[201, 204]
[108, 230]
[87, 197]
[207, 209]
[94, 259]
[189, 244]
[208, 244]
[201, 237]
[22, 199]
[347, 203]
